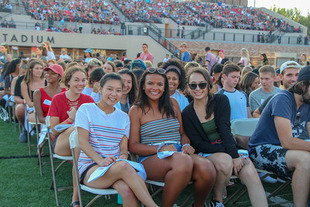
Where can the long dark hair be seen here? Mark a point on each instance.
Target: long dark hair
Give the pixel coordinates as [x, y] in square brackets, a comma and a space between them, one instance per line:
[179, 70]
[11, 68]
[247, 81]
[265, 57]
[132, 95]
[164, 105]
[206, 75]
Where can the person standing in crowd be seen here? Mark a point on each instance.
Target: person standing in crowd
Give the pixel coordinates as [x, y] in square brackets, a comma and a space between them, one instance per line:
[5, 56]
[50, 52]
[88, 54]
[156, 128]
[264, 59]
[267, 78]
[221, 57]
[304, 60]
[109, 67]
[146, 55]
[186, 56]
[245, 57]
[280, 137]
[206, 121]
[166, 58]
[63, 55]
[210, 59]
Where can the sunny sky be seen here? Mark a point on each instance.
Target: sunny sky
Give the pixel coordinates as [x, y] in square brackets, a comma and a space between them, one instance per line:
[302, 5]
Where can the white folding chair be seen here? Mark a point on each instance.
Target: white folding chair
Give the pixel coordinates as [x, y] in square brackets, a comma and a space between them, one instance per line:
[246, 127]
[63, 159]
[74, 143]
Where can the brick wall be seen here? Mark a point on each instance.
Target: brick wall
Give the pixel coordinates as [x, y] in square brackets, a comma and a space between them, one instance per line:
[232, 50]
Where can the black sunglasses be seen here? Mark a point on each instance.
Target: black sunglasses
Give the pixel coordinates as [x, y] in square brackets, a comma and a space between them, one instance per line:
[159, 70]
[193, 86]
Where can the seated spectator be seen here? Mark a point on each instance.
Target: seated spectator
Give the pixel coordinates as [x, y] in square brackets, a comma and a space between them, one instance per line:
[37, 26]
[43, 96]
[267, 77]
[4, 23]
[206, 121]
[176, 80]
[130, 90]
[280, 137]
[95, 123]
[63, 110]
[156, 128]
[11, 23]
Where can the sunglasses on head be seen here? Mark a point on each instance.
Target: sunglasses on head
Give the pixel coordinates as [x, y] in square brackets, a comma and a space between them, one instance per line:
[193, 86]
[159, 70]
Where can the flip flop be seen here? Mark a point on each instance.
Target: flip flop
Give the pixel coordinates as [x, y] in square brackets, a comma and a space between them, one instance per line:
[75, 203]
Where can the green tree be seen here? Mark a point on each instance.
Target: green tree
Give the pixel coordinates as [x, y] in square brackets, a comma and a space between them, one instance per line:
[295, 15]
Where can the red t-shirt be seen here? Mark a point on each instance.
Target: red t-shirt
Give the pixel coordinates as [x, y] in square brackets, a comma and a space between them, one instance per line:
[46, 101]
[61, 104]
[147, 56]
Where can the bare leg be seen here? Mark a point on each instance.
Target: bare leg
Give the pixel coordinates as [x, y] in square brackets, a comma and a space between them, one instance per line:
[20, 113]
[128, 197]
[223, 166]
[122, 171]
[250, 178]
[204, 176]
[176, 171]
[62, 146]
[299, 161]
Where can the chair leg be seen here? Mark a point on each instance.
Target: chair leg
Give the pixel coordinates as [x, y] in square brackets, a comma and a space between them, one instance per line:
[93, 200]
[29, 144]
[53, 172]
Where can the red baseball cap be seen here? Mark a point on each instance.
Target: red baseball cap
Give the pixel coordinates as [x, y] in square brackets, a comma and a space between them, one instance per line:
[56, 68]
[222, 51]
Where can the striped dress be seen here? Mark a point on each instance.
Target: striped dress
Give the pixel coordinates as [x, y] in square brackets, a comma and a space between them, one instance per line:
[162, 130]
[105, 131]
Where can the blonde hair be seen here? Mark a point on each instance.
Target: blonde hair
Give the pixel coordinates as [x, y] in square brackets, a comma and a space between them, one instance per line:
[49, 47]
[245, 53]
[148, 64]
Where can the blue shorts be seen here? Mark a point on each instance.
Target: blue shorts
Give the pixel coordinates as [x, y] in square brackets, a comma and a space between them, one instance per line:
[271, 158]
[142, 158]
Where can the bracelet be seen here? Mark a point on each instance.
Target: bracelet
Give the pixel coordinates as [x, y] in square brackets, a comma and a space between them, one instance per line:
[24, 101]
[68, 121]
[186, 145]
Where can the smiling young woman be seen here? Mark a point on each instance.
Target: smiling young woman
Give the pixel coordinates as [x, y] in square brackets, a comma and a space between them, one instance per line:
[63, 110]
[156, 127]
[103, 136]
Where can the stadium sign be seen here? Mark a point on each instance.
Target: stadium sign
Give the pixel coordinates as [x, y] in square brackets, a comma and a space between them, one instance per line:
[37, 39]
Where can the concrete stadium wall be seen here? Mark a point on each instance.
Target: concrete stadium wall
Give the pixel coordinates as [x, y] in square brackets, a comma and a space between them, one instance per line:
[131, 44]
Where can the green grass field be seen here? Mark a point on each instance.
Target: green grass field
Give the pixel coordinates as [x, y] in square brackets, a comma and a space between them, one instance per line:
[22, 185]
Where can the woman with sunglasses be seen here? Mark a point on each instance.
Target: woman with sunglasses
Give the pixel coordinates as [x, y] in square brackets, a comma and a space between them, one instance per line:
[156, 131]
[206, 121]
[177, 81]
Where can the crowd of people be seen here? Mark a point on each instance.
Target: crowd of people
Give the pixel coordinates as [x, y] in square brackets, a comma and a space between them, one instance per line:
[6, 6]
[175, 116]
[184, 13]
[87, 11]
[234, 17]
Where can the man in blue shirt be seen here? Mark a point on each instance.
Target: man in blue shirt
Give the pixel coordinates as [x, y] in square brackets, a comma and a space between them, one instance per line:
[186, 57]
[280, 142]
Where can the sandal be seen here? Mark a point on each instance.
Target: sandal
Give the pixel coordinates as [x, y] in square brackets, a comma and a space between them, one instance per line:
[75, 203]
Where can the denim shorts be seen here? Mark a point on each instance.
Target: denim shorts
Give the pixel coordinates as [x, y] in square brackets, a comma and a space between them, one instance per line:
[271, 158]
[142, 158]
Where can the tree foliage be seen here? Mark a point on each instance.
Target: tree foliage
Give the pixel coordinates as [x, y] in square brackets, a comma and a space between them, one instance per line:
[294, 14]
